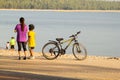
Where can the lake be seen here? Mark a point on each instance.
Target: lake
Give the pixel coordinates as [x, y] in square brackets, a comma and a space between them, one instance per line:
[100, 31]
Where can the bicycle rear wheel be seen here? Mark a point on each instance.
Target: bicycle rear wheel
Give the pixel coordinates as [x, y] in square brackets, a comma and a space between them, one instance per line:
[50, 51]
[79, 51]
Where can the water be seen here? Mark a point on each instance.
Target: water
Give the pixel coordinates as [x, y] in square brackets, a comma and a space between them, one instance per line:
[100, 32]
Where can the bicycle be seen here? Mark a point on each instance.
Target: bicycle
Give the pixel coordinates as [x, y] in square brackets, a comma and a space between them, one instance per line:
[53, 49]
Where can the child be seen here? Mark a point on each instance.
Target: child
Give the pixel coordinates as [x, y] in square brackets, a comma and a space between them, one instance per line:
[7, 45]
[12, 43]
[31, 40]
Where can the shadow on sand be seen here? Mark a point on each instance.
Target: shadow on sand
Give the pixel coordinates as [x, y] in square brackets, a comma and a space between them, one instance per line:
[9, 75]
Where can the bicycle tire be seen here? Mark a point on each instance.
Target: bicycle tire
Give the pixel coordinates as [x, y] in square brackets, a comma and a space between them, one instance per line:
[79, 51]
[50, 50]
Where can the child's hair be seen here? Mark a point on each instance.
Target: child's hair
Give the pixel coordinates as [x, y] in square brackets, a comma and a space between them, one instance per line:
[12, 37]
[31, 27]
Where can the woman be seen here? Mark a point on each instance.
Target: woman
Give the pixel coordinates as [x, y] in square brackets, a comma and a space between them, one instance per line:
[21, 30]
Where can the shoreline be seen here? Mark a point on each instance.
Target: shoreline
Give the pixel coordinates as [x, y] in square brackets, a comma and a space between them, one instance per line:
[93, 56]
[2, 51]
[60, 10]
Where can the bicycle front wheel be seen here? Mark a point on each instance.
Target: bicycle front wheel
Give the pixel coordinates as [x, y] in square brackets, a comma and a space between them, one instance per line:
[50, 51]
[79, 51]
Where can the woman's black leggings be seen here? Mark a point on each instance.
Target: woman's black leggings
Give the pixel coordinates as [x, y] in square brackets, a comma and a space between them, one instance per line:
[22, 44]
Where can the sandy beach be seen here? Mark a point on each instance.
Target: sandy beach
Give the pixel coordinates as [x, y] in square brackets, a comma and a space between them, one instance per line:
[65, 67]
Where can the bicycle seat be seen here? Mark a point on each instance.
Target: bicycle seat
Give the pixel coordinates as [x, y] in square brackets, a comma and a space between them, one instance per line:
[59, 39]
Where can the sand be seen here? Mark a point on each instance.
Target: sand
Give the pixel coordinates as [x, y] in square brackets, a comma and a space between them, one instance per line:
[65, 67]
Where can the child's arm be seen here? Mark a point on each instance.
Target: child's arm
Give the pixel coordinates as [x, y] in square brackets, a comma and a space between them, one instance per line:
[28, 37]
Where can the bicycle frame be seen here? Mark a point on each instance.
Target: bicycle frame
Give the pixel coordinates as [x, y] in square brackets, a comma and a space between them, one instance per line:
[65, 41]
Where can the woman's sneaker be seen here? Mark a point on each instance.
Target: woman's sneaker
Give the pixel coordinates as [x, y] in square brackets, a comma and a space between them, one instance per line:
[24, 58]
[19, 58]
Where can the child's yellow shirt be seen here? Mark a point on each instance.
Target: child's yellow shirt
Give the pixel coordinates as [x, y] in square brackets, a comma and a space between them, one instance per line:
[31, 40]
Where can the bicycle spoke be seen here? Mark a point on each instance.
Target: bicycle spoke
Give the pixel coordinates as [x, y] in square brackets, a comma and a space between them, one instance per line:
[50, 51]
[79, 52]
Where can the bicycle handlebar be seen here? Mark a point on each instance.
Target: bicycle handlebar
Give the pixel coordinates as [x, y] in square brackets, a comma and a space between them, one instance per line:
[75, 34]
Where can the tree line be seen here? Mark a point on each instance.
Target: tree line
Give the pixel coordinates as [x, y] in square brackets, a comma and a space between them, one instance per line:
[61, 4]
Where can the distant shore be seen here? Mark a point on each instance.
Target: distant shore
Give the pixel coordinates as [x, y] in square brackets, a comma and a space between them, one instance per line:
[60, 10]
